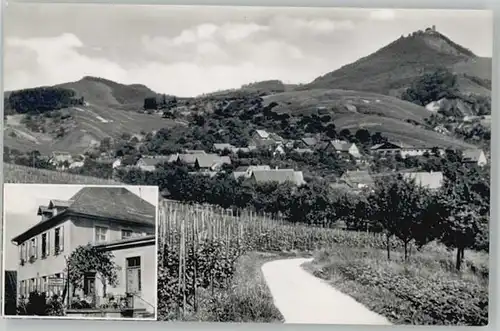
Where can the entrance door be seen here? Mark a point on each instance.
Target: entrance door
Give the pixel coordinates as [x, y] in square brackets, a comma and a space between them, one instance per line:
[133, 275]
[89, 286]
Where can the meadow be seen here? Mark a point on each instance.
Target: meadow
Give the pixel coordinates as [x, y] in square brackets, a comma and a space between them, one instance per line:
[26, 175]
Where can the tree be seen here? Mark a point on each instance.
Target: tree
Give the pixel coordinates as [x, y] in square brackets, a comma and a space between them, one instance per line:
[462, 216]
[432, 87]
[363, 136]
[345, 134]
[312, 204]
[86, 259]
[400, 207]
[150, 103]
[354, 210]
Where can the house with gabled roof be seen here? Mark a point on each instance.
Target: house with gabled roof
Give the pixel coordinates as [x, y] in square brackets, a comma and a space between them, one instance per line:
[303, 151]
[279, 176]
[358, 179]
[61, 160]
[224, 147]
[431, 180]
[308, 142]
[246, 171]
[111, 161]
[394, 148]
[211, 162]
[474, 156]
[149, 163]
[342, 147]
[194, 151]
[264, 139]
[111, 218]
[187, 159]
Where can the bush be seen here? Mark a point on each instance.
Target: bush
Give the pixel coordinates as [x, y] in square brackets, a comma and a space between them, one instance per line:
[424, 291]
[38, 305]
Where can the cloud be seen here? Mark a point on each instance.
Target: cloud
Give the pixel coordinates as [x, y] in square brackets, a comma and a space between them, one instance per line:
[195, 68]
[53, 60]
[383, 14]
[291, 25]
[239, 31]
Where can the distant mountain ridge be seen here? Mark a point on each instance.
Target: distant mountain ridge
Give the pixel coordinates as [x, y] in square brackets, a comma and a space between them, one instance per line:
[393, 67]
[105, 92]
[363, 94]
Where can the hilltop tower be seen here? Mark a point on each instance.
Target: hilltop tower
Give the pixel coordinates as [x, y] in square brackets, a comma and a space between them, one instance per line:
[434, 28]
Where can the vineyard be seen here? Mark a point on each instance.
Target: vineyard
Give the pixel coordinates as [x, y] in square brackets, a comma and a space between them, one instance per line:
[199, 248]
[27, 175]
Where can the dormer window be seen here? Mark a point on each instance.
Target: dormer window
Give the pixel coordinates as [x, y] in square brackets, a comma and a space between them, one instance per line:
[126, 234]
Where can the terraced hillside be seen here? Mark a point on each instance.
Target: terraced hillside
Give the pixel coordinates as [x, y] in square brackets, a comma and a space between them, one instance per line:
[395, 118]
[110, 110]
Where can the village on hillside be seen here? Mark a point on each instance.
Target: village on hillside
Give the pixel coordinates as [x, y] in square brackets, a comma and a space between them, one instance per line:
[218, 159]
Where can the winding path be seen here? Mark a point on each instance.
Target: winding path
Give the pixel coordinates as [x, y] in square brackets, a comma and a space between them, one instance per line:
[304, 299]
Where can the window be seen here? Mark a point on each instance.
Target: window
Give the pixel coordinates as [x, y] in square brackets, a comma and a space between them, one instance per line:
[22, 289]
[44, 284]
[59, 239]
[23, 253]
[32, 285]
[133, 274]
[44, 245]
[101, 234]
[33, 248]
[126, 234]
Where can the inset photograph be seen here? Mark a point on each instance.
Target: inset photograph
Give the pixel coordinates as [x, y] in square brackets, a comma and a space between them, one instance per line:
[80, 251]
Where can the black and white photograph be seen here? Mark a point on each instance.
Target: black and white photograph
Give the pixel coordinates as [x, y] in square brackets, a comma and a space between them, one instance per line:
[81, 252]
[313, 165]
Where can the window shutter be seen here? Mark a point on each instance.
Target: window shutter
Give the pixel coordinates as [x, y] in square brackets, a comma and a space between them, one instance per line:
[36, 250]
[61, 236]
[47, 244]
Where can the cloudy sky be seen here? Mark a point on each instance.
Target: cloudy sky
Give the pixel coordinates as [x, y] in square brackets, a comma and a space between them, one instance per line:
[192, 50]
[21, 202]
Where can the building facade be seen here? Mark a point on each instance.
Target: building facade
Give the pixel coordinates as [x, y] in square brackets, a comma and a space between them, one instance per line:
[136, 259]
[95, 215]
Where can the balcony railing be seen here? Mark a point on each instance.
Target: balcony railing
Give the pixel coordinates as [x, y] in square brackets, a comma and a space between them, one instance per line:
[118, 302]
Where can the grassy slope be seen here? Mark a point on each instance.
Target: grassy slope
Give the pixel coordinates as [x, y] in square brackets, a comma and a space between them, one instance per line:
[108, 101]
[105, 92]
[20, 174]
[248, 301]
[375, 112]
[394, 290]
[399, 63]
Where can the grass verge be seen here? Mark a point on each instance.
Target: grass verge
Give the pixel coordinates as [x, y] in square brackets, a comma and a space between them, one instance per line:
[423, 291]
[246, 299]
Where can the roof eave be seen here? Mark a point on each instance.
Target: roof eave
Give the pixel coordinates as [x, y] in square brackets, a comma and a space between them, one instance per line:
[26, 234]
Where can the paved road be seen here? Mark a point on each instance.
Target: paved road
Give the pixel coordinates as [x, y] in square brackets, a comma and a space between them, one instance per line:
[305, 299]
